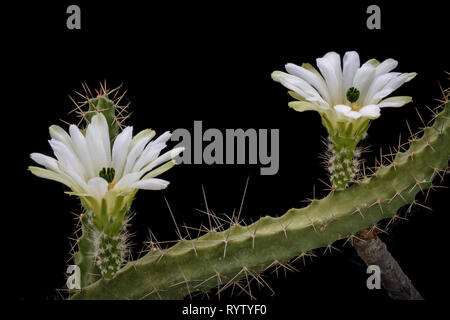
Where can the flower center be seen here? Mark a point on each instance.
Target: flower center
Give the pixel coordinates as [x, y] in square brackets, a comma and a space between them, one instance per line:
[352, 94]
[108, 174]
[111, 185]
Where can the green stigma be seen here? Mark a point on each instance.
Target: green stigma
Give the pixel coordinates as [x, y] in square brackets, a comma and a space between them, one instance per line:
[352, 94]
[107, 174]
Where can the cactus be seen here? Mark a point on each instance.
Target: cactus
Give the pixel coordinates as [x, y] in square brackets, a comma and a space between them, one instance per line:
[102, 247]
[243, 252]
[348, 96]
[105, 169]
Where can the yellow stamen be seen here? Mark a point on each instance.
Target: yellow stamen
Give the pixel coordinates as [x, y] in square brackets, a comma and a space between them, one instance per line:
[111, 185]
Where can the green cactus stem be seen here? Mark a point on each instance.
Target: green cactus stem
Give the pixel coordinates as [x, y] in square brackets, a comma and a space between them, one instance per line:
[244, 252]
[103, 104]
[84, 257]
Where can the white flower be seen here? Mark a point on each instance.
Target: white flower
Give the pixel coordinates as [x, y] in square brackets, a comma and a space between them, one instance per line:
[100, 174]
[344, 94]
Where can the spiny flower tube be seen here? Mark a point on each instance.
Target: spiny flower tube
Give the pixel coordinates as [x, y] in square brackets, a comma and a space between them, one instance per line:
[105, 176]
[347, 99]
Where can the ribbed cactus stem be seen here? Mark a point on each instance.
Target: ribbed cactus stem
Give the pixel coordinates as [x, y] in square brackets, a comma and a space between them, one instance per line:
[244, 252]
[84, 257]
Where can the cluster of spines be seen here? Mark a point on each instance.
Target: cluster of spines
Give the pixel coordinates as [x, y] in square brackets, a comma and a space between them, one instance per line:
[115, 113]
[342, 164]
[329, 227]
[110, 252]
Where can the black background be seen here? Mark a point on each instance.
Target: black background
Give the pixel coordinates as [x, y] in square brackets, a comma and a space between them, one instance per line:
[192, 61]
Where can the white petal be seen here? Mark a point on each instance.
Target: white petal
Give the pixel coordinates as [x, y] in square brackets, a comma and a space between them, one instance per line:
[353, 114]
[54, 172]
[397, 82]
[134, 153]
[351, 64]
[411, 76]
[370, 111]
[147, 133]
[97, 187]
[306, 90]
[363, 78]
[79, 182]
[322, 104]
[59, 134]
[298, 85]
[163, 138]
[127, 180]
[67, 159]
[283, 78]
[149, 154]
[101, 126]
[169, 155]
[342, 108]
[330, 67]
[394, 101]
[95, 143]
[159, 170]
[377, 85]
[51, 175]
[151, 184]
[120, 151]
[45, 161]
[390, 87]
[317, 82]
[81, 149]
[301, 106]
[386, 66]
[75, 182]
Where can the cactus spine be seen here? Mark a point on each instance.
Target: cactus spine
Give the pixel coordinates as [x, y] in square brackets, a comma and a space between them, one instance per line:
[244, 252]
